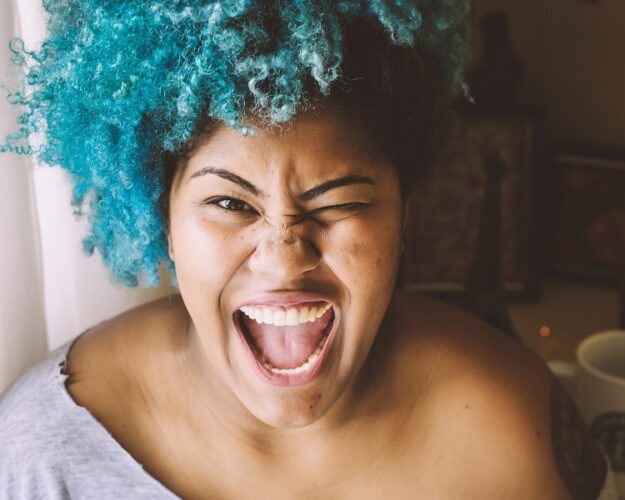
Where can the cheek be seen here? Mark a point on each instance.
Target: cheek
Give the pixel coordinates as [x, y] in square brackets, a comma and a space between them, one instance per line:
[205, 252]
[365, 253]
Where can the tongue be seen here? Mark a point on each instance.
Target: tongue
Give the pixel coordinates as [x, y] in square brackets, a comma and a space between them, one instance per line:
[287, 346]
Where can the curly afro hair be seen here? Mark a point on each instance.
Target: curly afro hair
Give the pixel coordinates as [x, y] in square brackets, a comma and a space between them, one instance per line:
[118, 89]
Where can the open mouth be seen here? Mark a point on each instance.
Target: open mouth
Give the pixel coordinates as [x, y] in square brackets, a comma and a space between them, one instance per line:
[287, 344]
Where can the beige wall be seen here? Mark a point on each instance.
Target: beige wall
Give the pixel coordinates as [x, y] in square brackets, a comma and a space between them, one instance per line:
[574, 52]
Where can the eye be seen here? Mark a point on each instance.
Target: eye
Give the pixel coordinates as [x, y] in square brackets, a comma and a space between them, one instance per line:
[342, 207]
[230, 204]
[337, 212]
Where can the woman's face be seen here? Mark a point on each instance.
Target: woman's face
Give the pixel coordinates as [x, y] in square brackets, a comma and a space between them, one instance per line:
[286, 247]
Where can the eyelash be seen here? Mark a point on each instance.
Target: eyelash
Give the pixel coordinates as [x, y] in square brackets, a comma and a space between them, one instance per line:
[344, 206]
[218, 202]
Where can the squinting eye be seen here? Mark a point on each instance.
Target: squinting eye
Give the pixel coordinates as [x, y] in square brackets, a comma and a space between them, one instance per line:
[335, 213]
[345, 207]
[230, 204]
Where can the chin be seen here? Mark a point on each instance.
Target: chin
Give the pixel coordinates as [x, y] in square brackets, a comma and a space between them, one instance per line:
[290, 411]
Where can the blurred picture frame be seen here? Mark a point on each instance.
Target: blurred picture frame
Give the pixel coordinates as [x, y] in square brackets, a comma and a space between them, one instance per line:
[444, 213]
[589, 213]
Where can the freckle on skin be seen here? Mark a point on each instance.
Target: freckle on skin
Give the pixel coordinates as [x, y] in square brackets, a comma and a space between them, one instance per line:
[466, 407]
[538, 433]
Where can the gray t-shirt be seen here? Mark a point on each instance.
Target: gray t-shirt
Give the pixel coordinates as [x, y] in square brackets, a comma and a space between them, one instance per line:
[51, 448]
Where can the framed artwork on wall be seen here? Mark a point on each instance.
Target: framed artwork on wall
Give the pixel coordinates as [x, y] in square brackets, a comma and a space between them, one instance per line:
[445, 211]
[589, 212]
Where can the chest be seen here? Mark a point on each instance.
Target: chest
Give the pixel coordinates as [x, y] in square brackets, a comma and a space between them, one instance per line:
[398, 473]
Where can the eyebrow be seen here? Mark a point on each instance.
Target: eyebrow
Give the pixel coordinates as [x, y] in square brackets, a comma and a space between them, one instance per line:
[335, 183]
[305, 196]
[229, 176]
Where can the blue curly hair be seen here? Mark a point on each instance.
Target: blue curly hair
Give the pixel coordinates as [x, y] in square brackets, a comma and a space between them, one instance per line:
[118, 91]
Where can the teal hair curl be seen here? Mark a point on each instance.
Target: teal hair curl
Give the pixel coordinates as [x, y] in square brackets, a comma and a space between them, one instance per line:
[117, 83]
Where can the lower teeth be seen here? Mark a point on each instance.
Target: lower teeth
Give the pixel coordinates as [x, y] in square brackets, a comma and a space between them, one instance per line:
[298, 369]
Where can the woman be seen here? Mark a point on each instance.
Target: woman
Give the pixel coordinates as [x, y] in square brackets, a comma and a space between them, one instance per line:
[263, 150]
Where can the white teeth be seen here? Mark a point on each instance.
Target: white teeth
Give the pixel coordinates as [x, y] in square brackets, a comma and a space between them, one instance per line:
[258, 316]
[279, 316]
[292, 316]
[303, 315]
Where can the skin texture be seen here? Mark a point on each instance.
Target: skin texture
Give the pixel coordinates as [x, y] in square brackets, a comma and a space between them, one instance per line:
[415, 399]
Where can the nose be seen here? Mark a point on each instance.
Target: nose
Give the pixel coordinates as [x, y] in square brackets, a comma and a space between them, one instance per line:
[284, 253]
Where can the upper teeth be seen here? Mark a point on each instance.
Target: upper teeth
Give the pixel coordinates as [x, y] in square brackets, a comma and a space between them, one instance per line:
[279, 316]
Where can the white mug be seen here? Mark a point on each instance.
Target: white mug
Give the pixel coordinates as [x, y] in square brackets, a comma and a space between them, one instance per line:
[597, 383]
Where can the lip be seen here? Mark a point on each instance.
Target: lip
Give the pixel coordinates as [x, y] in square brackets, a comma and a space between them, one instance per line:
[285, 299]
[285, 380]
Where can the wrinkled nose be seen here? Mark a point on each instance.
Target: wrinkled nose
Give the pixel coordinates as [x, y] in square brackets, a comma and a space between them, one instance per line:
[284, 254]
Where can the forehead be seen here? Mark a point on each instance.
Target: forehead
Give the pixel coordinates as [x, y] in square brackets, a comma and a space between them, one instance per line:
[317, 144]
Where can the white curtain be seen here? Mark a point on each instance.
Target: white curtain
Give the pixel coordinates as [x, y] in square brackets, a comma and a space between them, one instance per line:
[49, 291]
[22, 321]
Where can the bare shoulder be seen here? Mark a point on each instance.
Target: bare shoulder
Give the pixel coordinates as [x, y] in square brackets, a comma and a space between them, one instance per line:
[507, 423]
[109, 356]
[129, 330]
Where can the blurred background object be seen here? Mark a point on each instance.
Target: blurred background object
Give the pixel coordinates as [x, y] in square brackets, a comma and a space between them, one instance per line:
[497, 76]
[572, 52]
[548, 86]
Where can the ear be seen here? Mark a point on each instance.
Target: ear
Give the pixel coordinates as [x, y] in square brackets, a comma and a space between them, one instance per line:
[170, 246]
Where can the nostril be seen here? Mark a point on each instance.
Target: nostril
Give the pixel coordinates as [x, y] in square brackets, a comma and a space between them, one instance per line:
[288, 259]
